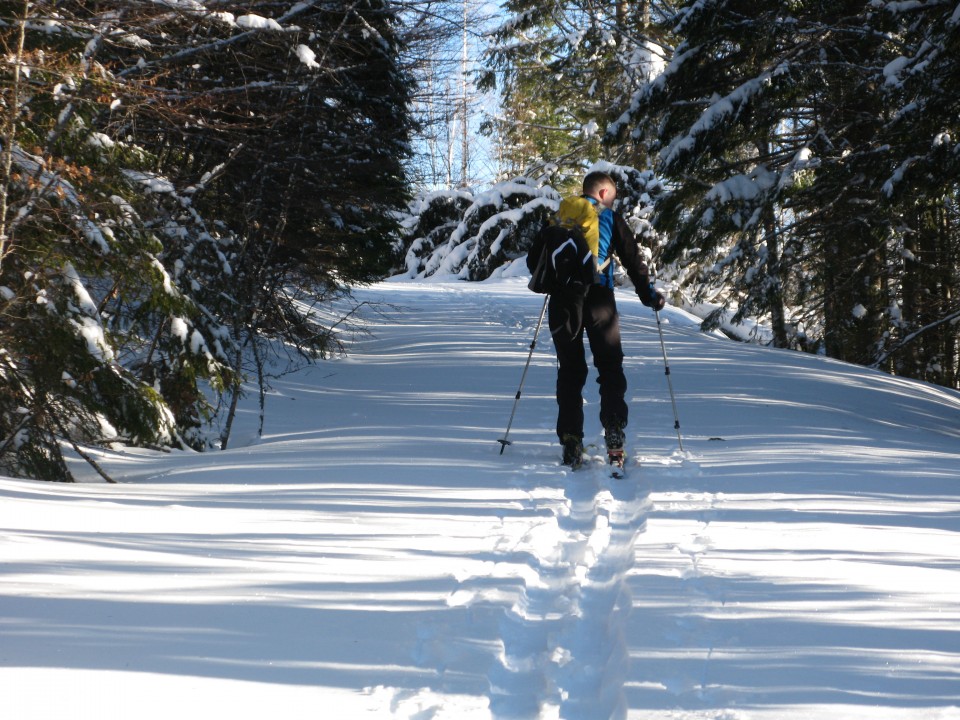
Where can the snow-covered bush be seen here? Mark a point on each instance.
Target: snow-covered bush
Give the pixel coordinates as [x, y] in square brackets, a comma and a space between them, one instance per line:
[468, 236]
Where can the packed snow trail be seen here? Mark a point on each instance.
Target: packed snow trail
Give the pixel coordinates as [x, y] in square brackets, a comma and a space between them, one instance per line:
[373, 555]
[560, 585]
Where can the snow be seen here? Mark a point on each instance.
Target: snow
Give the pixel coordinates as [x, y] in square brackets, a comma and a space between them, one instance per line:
[892, 70]
[743, 187]
[374, 555]
[85, 319]
[150, 182]
[257, 22]
[307, 56]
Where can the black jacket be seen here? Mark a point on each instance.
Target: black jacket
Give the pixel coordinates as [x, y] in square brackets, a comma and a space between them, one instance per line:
[627, 250]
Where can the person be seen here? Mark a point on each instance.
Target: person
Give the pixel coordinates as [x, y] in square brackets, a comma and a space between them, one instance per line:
[607, 234]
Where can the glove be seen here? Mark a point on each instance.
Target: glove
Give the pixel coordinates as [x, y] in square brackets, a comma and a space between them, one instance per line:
[652, 299]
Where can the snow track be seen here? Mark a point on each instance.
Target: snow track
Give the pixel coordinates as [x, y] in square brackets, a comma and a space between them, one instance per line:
[559, 586]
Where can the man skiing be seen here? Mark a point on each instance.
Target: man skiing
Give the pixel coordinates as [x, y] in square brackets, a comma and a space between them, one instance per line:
[607, 234]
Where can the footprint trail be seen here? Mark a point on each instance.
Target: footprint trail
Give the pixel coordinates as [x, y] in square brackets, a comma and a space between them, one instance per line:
[563, 600]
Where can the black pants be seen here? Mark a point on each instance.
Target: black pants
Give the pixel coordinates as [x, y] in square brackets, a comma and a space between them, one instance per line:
[602, 325]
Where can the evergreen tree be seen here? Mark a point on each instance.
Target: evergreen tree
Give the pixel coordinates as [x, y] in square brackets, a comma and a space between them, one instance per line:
[764, 121]
[922, 190]
[474, 236]
[174, 177]
[303, 111]
[79, 270]
[848, 232]
[712, 120]
[561, 67]
[469, 236]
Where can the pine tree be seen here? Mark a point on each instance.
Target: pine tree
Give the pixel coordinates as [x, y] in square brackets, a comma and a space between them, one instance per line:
[175, 178]
[561, 68]
[473, 236]
[302, 109]
[764, 121]
[922, 190]
[715, 122]
[469, 236]
[79, 267]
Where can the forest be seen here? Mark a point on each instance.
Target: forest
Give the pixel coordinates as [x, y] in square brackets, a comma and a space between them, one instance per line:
[183, 183]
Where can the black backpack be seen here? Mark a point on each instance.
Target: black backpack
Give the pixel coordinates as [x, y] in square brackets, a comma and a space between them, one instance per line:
[560, 262]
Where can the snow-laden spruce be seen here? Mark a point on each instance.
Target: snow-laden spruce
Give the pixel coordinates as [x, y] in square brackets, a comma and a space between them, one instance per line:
[468, 236]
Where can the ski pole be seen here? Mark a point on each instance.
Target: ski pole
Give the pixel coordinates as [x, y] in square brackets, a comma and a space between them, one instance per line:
[503, 441]
[666, 364]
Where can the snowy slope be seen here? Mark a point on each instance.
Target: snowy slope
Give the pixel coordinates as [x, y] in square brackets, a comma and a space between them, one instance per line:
[375, 556]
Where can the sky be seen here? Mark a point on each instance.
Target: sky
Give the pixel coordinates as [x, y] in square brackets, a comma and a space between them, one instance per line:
[373, 554]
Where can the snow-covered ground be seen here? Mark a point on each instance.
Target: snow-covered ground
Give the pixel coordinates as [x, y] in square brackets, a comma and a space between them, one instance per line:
[374, 555]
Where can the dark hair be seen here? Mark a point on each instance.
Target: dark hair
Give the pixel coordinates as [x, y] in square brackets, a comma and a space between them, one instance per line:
[596, 180]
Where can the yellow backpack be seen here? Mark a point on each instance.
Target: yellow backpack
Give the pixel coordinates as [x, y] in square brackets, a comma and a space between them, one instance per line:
[580, 212]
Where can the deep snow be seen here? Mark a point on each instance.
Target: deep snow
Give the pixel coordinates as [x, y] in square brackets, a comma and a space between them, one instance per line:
[373, 555]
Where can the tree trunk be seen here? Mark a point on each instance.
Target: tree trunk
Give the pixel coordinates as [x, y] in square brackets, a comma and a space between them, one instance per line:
[10, 132]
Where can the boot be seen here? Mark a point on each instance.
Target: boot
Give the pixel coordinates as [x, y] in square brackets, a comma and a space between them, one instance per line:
[614, 436]
[572, 451]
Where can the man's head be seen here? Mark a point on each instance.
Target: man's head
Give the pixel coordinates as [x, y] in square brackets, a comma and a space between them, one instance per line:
[600, 185]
